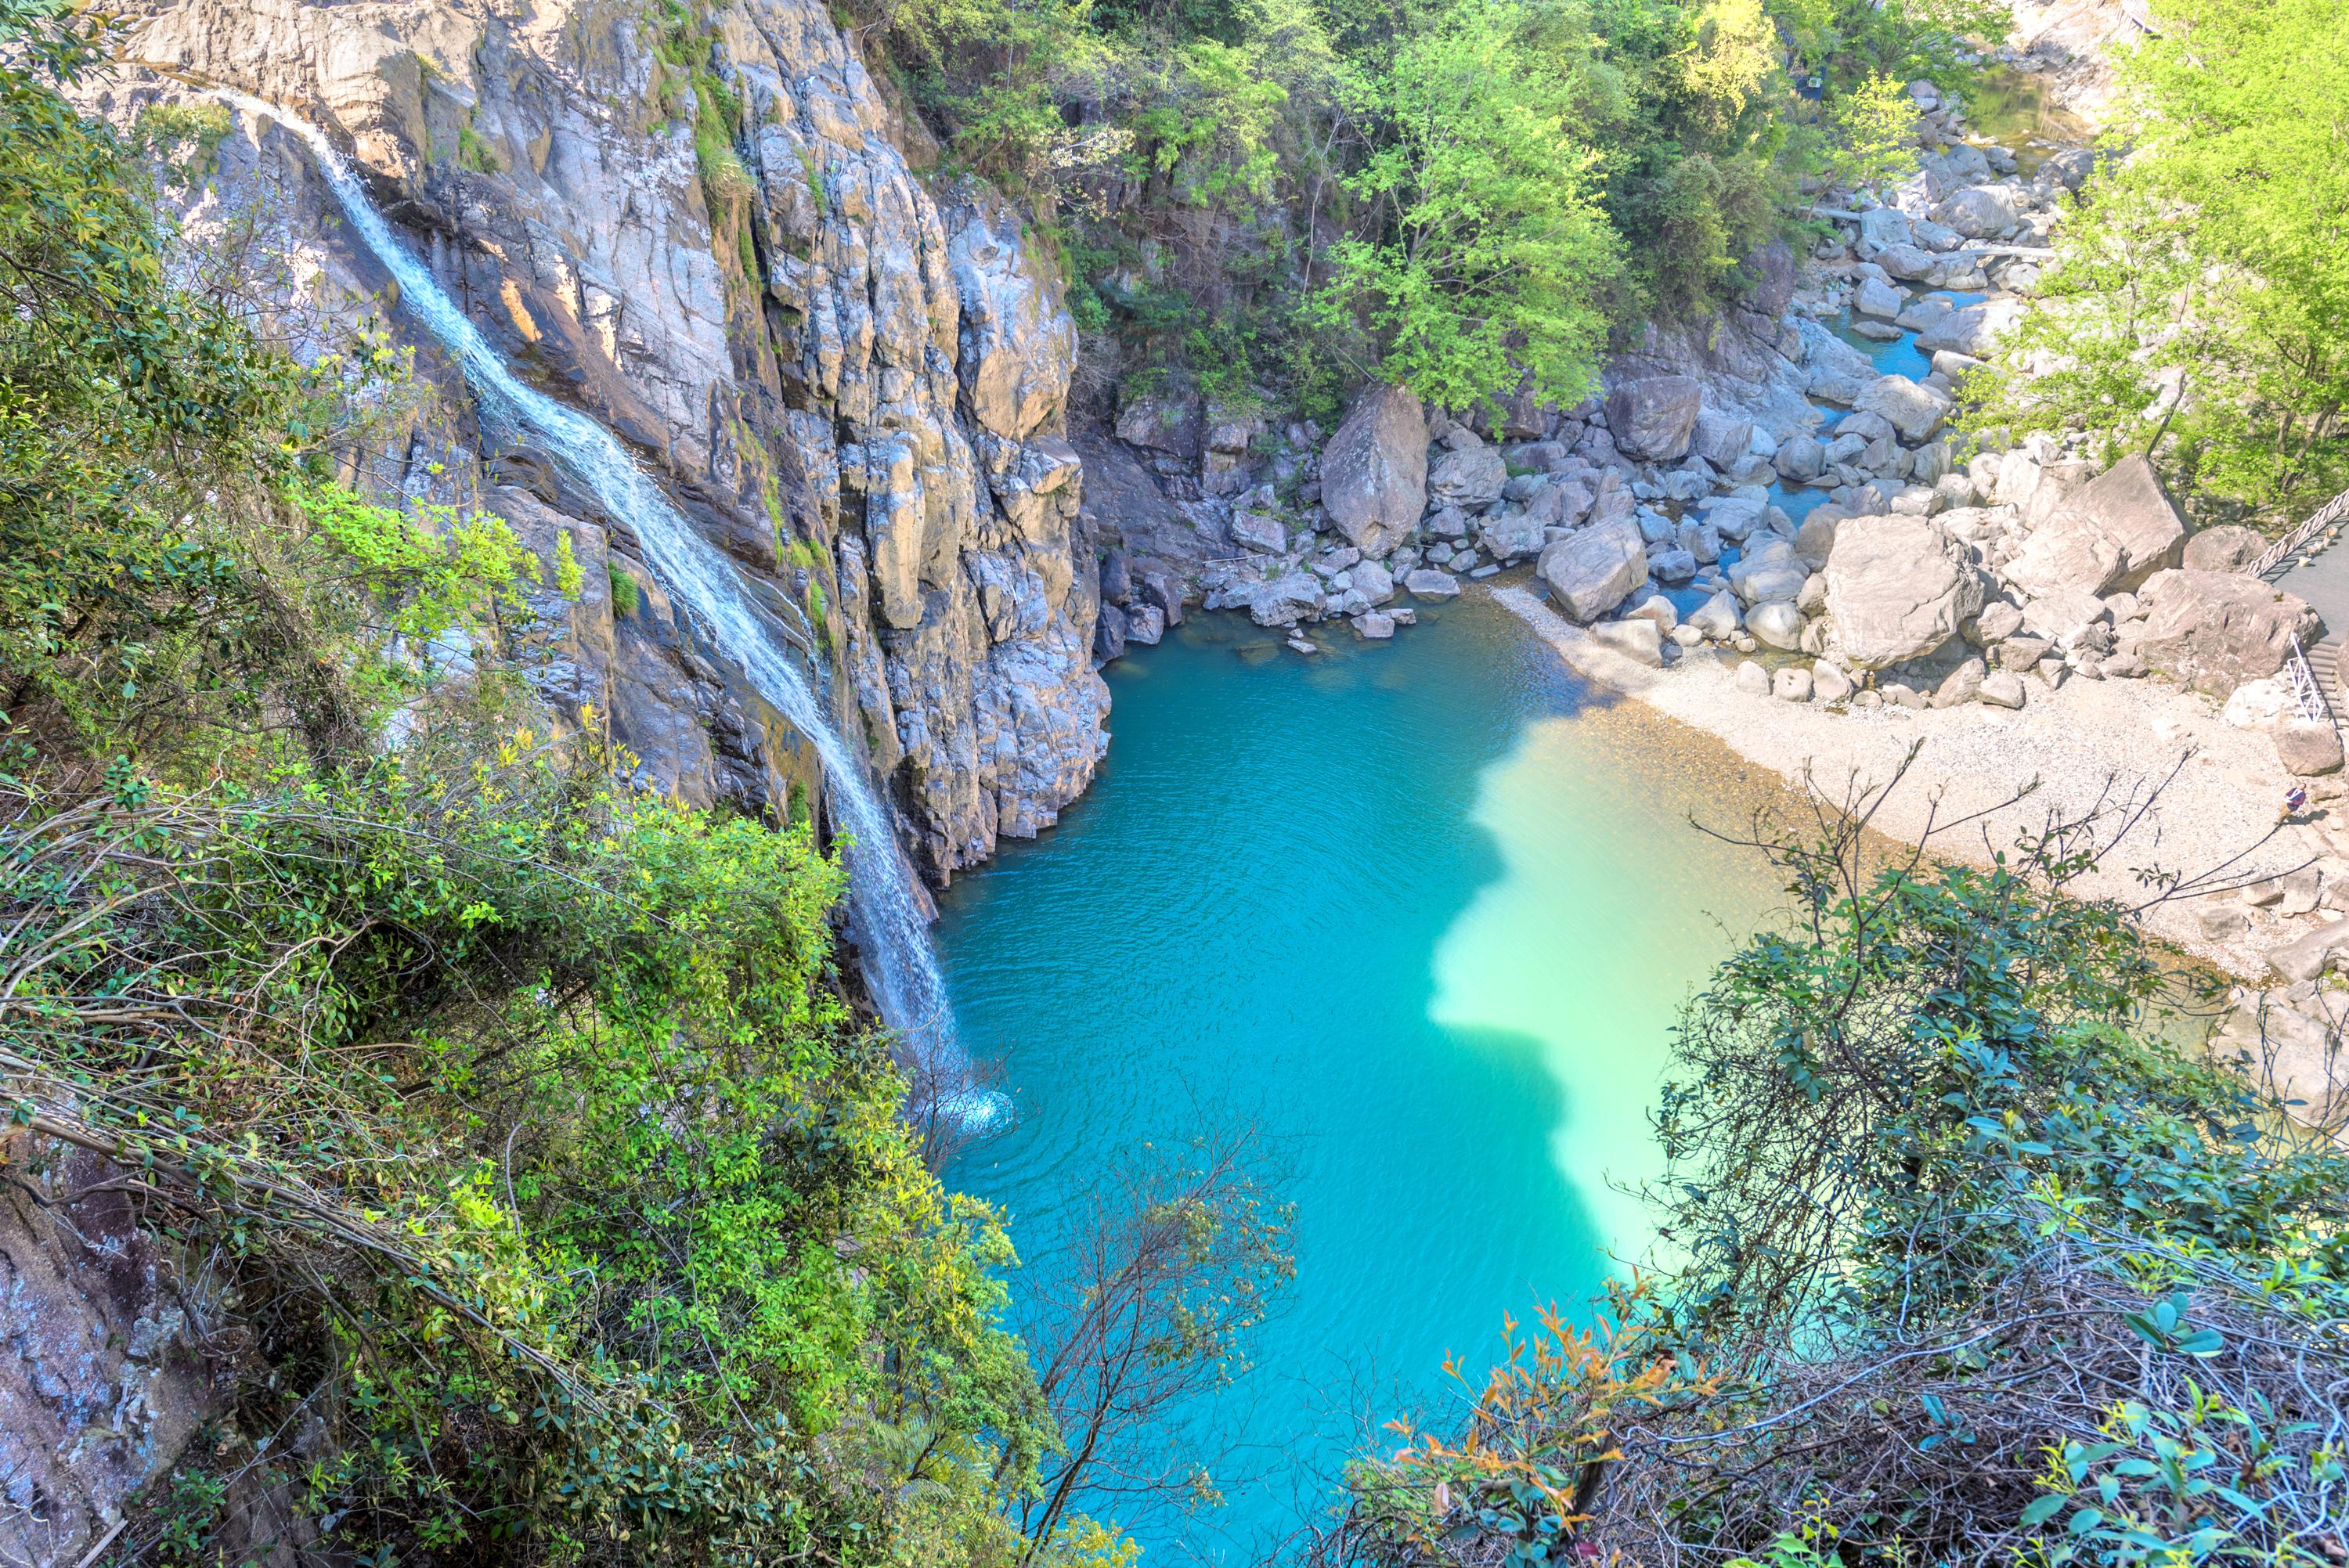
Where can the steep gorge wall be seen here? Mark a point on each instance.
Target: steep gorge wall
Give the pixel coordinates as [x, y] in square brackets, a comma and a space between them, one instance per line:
[701, 227]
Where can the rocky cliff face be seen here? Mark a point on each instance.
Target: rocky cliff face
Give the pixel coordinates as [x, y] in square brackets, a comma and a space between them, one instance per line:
[700, 225]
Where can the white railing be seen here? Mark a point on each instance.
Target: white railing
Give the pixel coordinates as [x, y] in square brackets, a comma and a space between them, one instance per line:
[2306, 695]
[2325, 516]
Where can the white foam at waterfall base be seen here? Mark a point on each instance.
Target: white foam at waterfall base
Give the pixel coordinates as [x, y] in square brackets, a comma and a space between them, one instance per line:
[902, 971]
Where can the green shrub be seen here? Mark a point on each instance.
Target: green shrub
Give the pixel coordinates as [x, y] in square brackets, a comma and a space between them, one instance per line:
[625, 596]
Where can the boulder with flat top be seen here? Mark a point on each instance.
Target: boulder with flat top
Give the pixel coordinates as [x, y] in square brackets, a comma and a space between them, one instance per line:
[1896, 590]
[2215, 630]
[1595, 569]
[2110, 534]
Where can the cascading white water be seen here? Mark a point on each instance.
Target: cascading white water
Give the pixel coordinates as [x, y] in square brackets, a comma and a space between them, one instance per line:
[903, 970]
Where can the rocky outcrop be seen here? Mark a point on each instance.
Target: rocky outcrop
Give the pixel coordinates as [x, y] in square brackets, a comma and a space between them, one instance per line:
[1654, 415]
[1895, 591]
[851, 383]
[2109, 535]
[2215, 630]
[1374, 470]
[101, 1389]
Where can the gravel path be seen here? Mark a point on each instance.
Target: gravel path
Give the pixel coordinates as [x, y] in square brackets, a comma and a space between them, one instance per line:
[2088, 741]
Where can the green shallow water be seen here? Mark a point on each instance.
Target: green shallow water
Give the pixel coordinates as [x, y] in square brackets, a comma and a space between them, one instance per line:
[1424, 912]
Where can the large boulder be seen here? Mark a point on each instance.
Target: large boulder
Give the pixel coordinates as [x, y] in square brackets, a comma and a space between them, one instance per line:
[1877, 298]
[1469, 477]
[1912, 264]
[1896, 590]
[2230, 547]
[1654, 416]
[1800, 457]
[1720, 439]
[2308, 747]
[1374, 471]
[1769, 569]
[1981, 212]
[2110, 534]
[1885, 226]
[2215, 630]
[1591, 572]
[1969, 331]
[1901, 402]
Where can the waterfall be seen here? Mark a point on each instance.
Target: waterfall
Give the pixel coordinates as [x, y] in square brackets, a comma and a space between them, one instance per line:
[901, 967]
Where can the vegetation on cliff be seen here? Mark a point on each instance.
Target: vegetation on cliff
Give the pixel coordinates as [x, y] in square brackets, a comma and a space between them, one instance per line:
[1276, 192]
[538, 1192]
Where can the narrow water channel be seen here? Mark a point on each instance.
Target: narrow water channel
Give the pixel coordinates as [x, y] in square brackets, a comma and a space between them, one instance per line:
[1424, 912]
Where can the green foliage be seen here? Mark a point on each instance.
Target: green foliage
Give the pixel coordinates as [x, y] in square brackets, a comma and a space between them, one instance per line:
[532, 1107]
[476, 154]
[1872, 145]
[138, 432]
[992, 70]
[2198, 306]
[1486, 257]
[432, 567]
[185, 138]
[624, 595]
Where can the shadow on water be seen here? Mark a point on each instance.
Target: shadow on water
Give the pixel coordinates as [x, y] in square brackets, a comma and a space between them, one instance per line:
[1418, 911]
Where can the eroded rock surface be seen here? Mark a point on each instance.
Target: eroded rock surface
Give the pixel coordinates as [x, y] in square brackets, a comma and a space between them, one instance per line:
[854, 384]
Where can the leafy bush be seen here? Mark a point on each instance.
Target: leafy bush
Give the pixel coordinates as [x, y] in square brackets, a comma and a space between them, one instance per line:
[2196, 305]
[1967, 1265]
[1482, 256]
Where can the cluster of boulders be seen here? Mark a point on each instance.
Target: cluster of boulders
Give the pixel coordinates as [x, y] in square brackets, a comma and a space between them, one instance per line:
[1405, 500]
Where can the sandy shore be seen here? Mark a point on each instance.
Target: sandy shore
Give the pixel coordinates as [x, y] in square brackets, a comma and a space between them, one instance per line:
[2088, 741]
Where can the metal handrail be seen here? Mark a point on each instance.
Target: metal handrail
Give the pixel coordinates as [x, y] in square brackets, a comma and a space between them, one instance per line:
[2331, 512]
[2306, 693]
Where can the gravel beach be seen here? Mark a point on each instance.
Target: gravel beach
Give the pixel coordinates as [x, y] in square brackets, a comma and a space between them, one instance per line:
[2086, 742]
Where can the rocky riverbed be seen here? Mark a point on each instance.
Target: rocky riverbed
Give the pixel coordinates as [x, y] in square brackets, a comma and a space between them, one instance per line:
[1769, 529]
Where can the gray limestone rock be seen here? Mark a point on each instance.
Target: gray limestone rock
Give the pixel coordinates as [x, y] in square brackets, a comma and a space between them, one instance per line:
[1961, 685]
[1639, 639]
[1592, 571]
[2111, 533]
[1653, 418]
[1717, 617]
[2308, 748]
[1374, 471]
[1468, 476]
[2230, 547]
[1776, 624]
[2215, 630]
[1426, 583]
[2001, 688]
